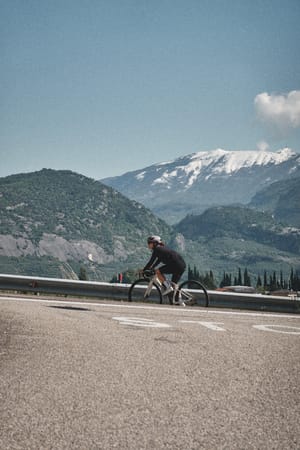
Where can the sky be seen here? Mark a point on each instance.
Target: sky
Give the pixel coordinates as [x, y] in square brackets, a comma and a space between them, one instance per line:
[103, 87]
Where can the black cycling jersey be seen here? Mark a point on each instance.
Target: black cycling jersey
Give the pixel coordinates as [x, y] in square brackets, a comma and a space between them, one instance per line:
[165, 255]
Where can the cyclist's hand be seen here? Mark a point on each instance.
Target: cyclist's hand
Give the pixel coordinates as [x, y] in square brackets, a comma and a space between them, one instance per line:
[148, 273]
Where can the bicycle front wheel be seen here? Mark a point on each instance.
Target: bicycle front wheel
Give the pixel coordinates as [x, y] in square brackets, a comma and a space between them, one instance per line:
[193, 292]
[139, 292]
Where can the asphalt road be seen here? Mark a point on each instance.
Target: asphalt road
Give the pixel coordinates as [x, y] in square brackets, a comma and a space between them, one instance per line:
[117, 375]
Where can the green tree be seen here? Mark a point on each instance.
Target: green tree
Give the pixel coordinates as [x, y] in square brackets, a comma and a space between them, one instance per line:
[259, 282]
[281, 280]
[294, 280]
[247, 280]
[239, 280]
[226, 280]
[82, 274]
[265, 280]
[273, 282]
[207, 279]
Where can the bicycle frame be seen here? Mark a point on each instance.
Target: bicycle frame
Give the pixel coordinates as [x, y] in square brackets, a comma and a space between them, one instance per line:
[153, 279]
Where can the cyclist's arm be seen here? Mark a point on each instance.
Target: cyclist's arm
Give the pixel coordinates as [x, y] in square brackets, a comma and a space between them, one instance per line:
[153, 261]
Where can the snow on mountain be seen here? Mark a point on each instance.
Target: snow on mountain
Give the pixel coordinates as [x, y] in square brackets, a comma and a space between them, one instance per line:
[218, 161]
[195, 182]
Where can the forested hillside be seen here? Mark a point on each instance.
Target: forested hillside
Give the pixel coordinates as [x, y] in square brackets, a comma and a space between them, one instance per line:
[241, 223]
[230, 237]
[60, 219]
[282, 199]
[55, 223]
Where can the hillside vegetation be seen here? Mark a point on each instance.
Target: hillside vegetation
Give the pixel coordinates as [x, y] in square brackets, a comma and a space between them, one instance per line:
[53, 223]
[282, 199]
[241, 223]
[65, 217]
[228, 237]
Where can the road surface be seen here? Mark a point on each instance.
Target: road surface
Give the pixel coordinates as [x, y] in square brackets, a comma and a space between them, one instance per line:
[88, 375]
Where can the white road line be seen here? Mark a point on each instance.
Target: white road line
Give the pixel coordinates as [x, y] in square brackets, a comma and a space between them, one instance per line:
[210, 325]
[282, 330]
[157, 308]
[138, 322]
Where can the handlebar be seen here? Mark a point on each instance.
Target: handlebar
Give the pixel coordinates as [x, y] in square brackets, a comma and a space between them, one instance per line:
[148, 273]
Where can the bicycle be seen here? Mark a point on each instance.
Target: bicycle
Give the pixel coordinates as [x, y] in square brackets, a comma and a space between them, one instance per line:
[148, 287]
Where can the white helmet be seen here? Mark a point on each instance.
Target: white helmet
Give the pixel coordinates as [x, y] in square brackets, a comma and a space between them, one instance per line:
[154, 240]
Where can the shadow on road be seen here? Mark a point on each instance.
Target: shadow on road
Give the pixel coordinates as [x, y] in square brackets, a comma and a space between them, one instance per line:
[71, 308]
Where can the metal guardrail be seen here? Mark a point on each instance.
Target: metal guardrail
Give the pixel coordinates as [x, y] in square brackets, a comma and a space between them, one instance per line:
[116, 291]
[257, 302]
[59, 286]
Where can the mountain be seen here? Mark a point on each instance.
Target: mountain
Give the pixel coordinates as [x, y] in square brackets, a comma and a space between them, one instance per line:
[228, 237]
[53, 222]
[201, 180]
[241, 223]
[282, 199]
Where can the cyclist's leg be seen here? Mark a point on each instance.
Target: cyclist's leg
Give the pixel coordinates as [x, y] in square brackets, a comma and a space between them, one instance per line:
[178, 270]
[176, 276]
[175, 279]
[163, 270]
[160, 274]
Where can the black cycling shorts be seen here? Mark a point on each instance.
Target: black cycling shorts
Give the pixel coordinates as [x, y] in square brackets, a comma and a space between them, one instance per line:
[175, 269]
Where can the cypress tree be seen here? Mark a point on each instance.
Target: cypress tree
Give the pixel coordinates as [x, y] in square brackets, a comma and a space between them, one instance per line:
[82, 274]
[265, 280]
[240, 278]
[247, 281]
[258, 283]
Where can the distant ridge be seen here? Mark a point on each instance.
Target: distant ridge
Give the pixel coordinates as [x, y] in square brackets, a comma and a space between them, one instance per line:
[53, 223]
[282, 199]
[200, 180]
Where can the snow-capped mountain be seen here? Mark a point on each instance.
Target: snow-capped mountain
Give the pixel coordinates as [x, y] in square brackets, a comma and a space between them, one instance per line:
[192, 183]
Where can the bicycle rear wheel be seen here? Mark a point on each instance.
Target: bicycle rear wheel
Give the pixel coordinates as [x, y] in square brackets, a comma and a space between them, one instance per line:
[193, 292]
[137, 292]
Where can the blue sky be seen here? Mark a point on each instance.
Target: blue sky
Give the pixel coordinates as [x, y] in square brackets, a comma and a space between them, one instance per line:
[105, 87]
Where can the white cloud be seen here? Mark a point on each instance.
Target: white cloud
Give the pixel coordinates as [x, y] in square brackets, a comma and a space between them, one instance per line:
[281, 111]
[263, 146]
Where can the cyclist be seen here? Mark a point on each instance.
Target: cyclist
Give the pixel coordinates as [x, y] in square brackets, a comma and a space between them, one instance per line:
[173, 263]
